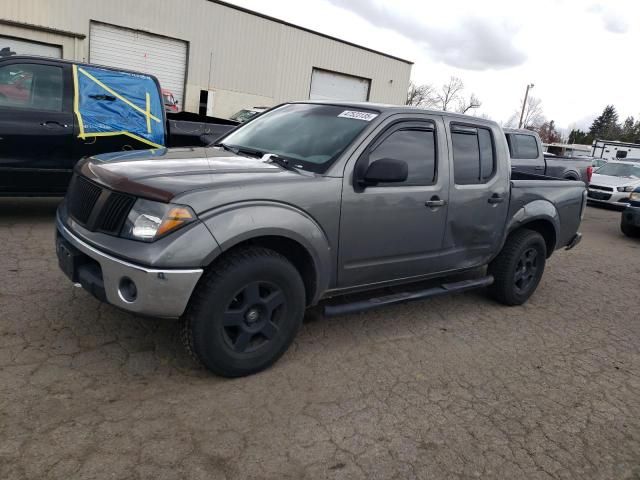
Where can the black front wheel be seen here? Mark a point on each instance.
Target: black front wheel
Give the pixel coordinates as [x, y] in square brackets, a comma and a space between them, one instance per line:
[630, 230]
[518, 268]
[245, 312]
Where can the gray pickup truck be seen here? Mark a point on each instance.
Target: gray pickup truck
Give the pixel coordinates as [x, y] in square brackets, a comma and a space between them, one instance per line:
[303, 203]
[527, 156]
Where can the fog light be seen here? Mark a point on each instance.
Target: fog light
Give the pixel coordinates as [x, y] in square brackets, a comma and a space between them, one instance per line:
[128, 290]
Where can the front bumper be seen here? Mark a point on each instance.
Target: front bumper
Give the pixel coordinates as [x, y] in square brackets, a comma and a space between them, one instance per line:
[617, 199]
[631, 216]
[157, 293]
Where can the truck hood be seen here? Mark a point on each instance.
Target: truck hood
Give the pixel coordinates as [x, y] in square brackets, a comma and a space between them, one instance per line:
[163, 174]
[609, 181]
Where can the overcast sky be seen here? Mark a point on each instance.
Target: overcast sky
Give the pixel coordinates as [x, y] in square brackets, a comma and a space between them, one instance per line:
[581, 55]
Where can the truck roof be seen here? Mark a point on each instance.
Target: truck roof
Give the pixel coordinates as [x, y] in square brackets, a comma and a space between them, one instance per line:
[520, 130]
[28, 58]
[387, 108]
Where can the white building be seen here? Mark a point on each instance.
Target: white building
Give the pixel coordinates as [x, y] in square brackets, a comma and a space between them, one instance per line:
[210, 54]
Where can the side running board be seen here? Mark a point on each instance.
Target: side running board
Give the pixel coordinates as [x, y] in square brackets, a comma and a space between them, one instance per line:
[371, 303]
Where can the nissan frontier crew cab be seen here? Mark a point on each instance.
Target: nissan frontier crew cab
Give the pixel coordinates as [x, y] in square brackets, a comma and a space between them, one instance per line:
[306, 202]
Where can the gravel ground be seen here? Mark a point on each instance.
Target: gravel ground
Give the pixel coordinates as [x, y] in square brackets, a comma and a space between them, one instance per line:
[456, 387]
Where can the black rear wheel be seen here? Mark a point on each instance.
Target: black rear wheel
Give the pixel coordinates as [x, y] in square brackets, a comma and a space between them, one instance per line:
[245, 312]
[518, 268]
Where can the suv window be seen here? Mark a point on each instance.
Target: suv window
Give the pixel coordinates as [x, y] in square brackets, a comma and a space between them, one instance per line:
[416, 146]
[523, 146]
[473, 154]
[31, 86]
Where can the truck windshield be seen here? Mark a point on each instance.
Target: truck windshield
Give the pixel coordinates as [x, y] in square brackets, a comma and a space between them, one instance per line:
[243, 115]
[620, 170]
[310, 135]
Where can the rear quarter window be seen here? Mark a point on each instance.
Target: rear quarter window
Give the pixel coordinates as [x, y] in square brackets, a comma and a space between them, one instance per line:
[523, 146]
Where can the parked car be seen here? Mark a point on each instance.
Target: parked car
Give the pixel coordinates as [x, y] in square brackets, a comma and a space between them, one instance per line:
[613, 183]
[247, 113]
[307, 202]
[527, 156]
[630, 221]
[170, 102]
[44, 131]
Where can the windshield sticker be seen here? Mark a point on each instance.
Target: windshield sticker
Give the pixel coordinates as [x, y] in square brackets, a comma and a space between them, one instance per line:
[366, 116]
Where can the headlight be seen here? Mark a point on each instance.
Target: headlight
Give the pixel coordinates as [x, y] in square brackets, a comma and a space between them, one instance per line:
[626, 189]
[148, 221]
[635, 196]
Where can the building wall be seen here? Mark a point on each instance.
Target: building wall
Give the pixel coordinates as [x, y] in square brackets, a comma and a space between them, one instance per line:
[247, 60]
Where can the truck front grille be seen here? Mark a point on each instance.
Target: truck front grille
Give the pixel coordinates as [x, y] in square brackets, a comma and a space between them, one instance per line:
[97, 208]
[114, 213]
[81, 198]
[599, 187]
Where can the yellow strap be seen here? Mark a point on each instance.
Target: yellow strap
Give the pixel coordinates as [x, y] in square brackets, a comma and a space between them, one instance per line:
[76, 100]
[122, 132]
[148, 112]
[118, 96]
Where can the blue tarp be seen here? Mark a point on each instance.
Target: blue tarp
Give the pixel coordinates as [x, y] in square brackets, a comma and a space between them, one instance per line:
[110, 102]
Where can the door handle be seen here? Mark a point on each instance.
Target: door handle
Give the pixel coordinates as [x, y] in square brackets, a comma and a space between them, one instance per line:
[49, 123]
[435, 202]
[496, 198]
[539, 167]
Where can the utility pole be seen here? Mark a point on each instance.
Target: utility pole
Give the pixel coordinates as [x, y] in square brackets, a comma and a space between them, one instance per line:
[524, 104]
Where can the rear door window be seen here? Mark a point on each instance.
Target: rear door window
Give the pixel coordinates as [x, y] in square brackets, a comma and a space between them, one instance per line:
[473, 154]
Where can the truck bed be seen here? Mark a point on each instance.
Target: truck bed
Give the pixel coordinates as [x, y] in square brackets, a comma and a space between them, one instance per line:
[542, 193]
[186, 129]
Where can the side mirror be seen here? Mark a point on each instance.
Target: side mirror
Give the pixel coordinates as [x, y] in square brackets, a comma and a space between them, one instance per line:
[386, 170]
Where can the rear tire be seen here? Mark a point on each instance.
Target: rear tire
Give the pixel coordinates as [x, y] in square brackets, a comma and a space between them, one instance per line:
[630, 230]
[245, 312]
[518, 268]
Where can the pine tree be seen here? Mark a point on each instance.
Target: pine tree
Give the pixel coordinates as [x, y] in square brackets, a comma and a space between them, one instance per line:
[606, 125]
[630, 130]
[578, 136]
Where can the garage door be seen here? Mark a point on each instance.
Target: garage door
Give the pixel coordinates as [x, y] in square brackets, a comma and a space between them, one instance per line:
[327, 85]
[166, 58]
[11, 46]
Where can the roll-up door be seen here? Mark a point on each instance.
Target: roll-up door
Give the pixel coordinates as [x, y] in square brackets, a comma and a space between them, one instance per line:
[326, 85]
[166, 58]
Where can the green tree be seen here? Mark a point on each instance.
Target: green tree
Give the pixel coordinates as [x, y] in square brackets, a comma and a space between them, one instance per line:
[578, 136]
[606, 125]
[630, 130]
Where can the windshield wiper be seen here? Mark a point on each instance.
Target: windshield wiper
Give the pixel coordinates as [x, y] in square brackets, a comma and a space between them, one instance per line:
[226, 147]
[240, 149]
[281, 161]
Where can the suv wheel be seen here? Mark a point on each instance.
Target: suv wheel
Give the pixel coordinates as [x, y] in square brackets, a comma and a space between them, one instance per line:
[245, 312]
[518, 268]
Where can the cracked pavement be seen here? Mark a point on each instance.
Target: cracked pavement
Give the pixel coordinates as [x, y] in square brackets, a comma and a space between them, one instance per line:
[454, 388]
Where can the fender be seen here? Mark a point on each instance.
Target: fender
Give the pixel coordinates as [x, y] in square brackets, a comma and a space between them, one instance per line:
[570, 172]
[536, 210]
[238, 222]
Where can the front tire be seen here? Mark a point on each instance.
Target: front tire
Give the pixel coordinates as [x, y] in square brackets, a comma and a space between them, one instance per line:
[245, 312]
[630, 230]
[518, 268]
